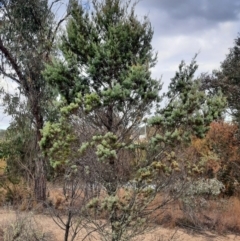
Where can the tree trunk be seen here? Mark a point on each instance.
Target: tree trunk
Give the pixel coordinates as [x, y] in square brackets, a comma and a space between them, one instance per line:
[67, 226]
[40, 180]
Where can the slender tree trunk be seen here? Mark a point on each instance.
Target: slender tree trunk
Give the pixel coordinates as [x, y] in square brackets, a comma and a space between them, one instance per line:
[111, 190]
[40, 182]
[67, 226]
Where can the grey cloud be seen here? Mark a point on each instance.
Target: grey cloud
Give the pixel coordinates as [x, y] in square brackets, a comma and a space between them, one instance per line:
[186, 16]
[211, 10]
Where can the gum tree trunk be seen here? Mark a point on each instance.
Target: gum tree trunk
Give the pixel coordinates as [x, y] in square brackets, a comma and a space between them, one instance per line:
[40, 179]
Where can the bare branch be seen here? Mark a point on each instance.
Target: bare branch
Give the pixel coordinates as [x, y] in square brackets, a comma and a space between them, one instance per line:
[52, 4]
[12, 61]
[9, 76]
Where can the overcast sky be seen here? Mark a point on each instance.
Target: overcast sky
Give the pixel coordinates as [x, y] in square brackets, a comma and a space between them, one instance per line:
[183, 28]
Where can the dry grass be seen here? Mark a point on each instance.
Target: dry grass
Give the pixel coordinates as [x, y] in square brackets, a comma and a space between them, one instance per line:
[18, 195]
[2, 166]
[229, 218]
[56, 198]
[218, 215]
[169, 214]
[221, 216]
[1, 234]
[46, 225]
[23, 228]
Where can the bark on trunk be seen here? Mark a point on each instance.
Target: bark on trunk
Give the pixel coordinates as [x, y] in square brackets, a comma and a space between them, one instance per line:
[40, 180]
[67, 226]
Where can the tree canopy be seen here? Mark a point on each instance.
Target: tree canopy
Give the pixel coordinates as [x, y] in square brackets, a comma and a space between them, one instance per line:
[27, 39]
[103, 75]
[227, 79]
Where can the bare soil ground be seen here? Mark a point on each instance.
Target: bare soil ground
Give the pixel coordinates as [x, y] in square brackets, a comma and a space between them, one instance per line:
[46, 224]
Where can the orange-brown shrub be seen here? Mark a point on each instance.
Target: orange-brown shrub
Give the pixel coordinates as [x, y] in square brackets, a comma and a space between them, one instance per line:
[220, 215]
[18, 194]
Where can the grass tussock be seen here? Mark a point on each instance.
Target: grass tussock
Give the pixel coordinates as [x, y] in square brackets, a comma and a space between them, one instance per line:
[17, 195]
[229, 220]
[220, 215]
[23, 228]
[2, 166]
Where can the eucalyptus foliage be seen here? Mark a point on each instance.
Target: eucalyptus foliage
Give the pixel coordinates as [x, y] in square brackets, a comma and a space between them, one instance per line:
[27, 38]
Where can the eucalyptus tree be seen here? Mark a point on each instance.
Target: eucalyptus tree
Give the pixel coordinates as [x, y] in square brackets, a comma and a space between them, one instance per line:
[104, 78]
[27, 37]
[227, 79]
